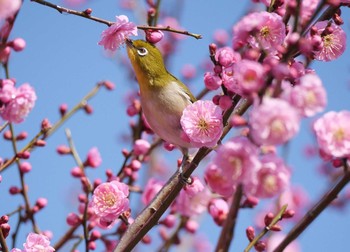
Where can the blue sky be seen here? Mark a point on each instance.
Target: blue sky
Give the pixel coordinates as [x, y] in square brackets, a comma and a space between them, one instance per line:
[62, 61]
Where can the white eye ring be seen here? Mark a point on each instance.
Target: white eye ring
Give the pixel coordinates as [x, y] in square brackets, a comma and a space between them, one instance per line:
[142, 51]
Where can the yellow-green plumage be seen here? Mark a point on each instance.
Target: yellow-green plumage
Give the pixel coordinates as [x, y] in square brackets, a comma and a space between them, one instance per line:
[163, 97]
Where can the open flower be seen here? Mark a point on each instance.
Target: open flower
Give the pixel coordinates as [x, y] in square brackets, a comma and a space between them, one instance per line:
[333, 133]
[110, 201]
[36, 242]
[16, 102]
[333, 41]
[273, 122]
[202, 123]
[261, 30]
[115, 36]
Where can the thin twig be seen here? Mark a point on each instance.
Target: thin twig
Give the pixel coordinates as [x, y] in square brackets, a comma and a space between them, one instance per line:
[227, 231]
[84, 14]
[277, 218]
[87, 191]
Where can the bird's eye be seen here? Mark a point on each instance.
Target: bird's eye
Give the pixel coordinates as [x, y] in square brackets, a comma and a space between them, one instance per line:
[142, 51]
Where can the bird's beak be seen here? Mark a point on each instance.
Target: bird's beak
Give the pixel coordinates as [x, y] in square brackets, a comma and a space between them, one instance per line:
[129, 43]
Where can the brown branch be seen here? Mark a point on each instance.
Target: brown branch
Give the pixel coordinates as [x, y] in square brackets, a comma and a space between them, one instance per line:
[3, 243]
[65, 238]
[227, 231]
[85, 14]
[315, 211]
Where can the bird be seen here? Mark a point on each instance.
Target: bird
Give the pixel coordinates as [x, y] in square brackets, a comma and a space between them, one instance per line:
[163, 96]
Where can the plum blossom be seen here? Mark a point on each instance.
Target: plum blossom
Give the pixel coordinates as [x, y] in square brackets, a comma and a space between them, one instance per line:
[193, 201]
[109, 201]
[36, 243]
[249, 76]
[333, 133]
[93, 158]
[212, 81]
[202, 123]
[141, 147]
[217, 182]
[261, 30]
[9, 7]
[16, 102]
[152, 187]
[273, 177]
[273, 122]
[309, 96]
[218, 209]
[226, 56]
[115, 35]
[238, 160]
[333, 41]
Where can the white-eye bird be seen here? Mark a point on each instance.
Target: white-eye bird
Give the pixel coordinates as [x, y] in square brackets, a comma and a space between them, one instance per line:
[163, 96]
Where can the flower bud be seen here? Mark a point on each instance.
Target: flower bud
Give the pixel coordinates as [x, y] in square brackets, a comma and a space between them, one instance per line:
[25, 167]
[154, 36]
[18, 44]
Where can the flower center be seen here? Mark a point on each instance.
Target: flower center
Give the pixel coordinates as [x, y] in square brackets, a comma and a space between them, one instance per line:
[277, 126]
[339, 135]
[265, 32]
[310, 97]
[237, 166]
[109, 199]
[270, 183]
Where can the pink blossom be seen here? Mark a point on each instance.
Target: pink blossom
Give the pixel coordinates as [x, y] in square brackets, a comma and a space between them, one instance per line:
[218, 209]
[249, 76]
[333, 133]
[73, 219]
[154, 36]
[212, 81]
[221, 36]
[141, 147]
[237, 159]
[93, 158]
[309, 96]
[152, 187]
[18, 44]
[194, 187]
[36, 243]
[273, 177]
[228, 79]
[192, 204]
[217, 181]
[17, 103]
[261, 30]
[226, 56]
[202, 123]
[273, 122]
[109, 201]
[188, 71]
[115, 35]
[9, 7]
[333, 41]
[8, 91]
